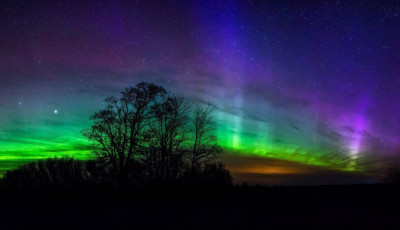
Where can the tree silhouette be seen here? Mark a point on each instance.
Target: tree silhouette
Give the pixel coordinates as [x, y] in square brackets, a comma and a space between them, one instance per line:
[167, 134]
[150, 136]
[118, 130]
[205, 147]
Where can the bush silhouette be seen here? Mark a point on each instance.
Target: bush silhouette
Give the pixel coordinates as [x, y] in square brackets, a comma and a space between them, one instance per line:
[392, 175]
[210, 174]
[215, 174]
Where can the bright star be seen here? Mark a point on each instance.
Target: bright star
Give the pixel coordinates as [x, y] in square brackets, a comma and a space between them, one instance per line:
[55, 111]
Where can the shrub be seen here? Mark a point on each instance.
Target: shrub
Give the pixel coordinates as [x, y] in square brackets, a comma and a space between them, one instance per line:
[392, 175]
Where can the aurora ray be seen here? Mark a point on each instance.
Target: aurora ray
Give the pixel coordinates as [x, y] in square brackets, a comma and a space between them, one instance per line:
[315, 84]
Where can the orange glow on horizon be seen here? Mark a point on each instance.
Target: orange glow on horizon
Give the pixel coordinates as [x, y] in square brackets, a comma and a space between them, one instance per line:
[270, 170]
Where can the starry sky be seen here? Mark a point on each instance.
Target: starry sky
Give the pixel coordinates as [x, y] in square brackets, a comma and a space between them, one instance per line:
[306, 92]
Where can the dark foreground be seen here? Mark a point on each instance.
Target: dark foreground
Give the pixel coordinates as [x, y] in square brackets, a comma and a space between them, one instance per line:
[323, 207]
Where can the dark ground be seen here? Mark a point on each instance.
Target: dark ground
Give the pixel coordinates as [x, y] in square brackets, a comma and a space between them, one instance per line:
[323, 207]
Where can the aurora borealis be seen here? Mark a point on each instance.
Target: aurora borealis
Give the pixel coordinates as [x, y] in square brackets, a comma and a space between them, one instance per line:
[300, 88]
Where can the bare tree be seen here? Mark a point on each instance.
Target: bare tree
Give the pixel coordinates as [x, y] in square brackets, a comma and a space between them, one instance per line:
[168, 131]
[118, 130]
[205, 147]
[147, 134]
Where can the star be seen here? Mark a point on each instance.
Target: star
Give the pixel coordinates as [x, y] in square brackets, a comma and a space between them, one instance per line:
[55, 111]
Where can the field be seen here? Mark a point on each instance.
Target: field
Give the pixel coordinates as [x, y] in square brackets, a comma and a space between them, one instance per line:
[320, 207]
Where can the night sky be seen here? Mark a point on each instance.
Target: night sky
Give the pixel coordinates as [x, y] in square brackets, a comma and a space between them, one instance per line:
[306, 92]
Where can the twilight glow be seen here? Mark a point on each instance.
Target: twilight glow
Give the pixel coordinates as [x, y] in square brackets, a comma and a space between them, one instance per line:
[301, 89]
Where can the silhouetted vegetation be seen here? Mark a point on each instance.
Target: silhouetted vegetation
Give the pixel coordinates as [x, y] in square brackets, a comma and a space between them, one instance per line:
[392, 175]
[49, 173]
[118, 132]
[145, 136]
[149, 136]
[211, 174]
[205, 146]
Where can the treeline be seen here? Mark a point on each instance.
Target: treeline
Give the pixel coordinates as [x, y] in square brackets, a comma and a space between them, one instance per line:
[146, 136]
[66, 172]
